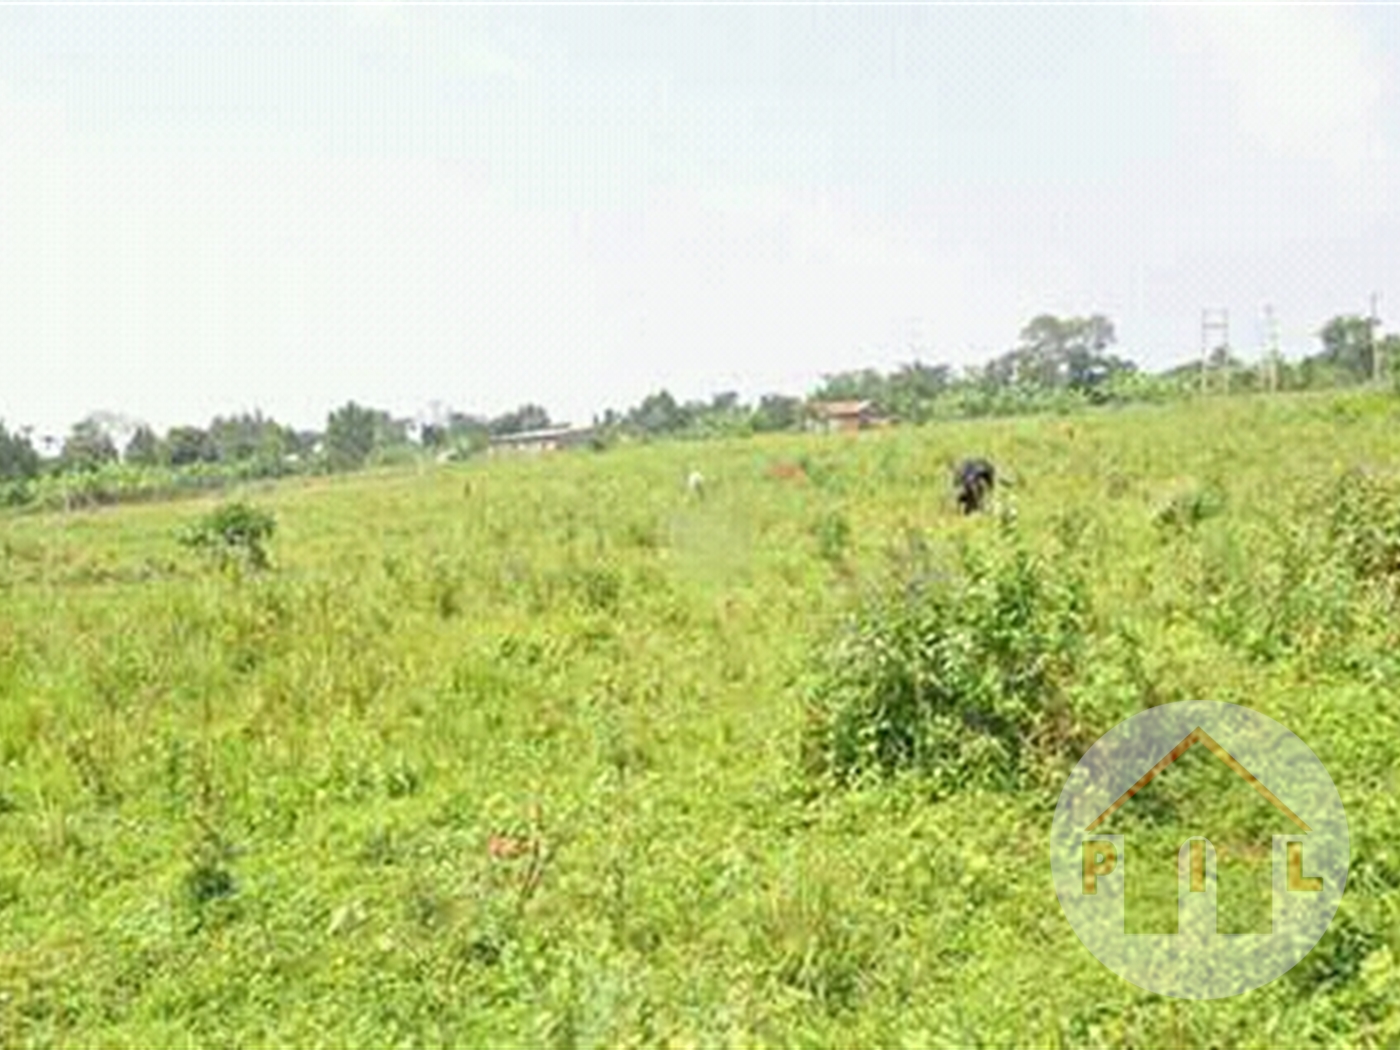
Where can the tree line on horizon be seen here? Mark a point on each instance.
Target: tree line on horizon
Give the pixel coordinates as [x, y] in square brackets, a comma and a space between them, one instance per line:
[1057, 364]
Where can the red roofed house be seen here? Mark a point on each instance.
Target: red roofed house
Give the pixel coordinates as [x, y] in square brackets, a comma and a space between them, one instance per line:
[844, 415]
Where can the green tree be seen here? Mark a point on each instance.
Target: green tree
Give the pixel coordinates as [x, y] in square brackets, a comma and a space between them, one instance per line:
[87, 447]
[302, 442]
[145, 449]
[526, 417]
[777, 412]
[355, 433]
[864, 385]
[391, 440]
[1388, 347]
[390, 432]
[189, 445]
[18, 458]
[658, 414]
[455, 430]
[724, 414]
[726, 403]
[1068, 352]
[1347, 346]
[251, 437]
[351, 433]
[913, 388]
[1229, 372]
[468, 433]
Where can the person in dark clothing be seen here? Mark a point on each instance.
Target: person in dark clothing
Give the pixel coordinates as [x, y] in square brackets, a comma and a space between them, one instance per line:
[973, 481]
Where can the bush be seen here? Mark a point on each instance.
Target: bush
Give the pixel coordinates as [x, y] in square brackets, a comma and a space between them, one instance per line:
[597, 588]
[819, 472]
[1364, 523]
[235, 533]
[955, 677]
[1189, 506]
[16, 493]
[1281, 596]
[833, 535]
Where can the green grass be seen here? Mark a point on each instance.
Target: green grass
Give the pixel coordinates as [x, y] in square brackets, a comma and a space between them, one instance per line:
[258, 808]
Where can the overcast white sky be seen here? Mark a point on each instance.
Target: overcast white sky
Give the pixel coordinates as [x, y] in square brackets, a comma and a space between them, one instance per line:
[208, 209]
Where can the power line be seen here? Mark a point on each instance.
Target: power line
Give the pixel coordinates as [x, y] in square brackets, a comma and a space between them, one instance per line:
[1214, 320]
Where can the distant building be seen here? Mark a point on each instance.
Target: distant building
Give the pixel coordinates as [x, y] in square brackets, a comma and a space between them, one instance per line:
[548, 440]
[844, 415]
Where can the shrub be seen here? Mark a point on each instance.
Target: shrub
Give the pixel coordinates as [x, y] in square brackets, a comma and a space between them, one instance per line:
[1281, 596]
[952, 676]
[235, 533]
[448, 581]
[819, 472]
[598, 588]
[1364, 523]
[833, 535]
[1189, 506]
[16, 493]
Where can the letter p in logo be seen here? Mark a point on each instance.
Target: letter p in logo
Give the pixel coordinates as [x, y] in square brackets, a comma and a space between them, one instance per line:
[1100, 858]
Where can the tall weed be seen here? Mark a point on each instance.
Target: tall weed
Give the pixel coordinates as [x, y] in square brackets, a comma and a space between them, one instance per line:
[1364, 523]
[952, 675]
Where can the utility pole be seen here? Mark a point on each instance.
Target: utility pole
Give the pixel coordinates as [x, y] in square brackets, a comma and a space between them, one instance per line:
[1375, 347]
[1213, 320]
[1271, 352]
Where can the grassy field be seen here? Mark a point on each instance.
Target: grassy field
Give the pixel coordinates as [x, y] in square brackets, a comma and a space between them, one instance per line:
[520, 752]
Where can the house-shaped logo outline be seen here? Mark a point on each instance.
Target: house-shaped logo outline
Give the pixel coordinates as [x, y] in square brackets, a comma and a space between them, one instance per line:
[1200, 961]
[1200, 736]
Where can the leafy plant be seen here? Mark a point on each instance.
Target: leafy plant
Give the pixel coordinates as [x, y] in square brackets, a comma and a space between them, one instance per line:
[447, 584]
[833, 533]
[1189, 506]
[1364, 522]
[597, 587]
[949, 675]
[235, 533]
